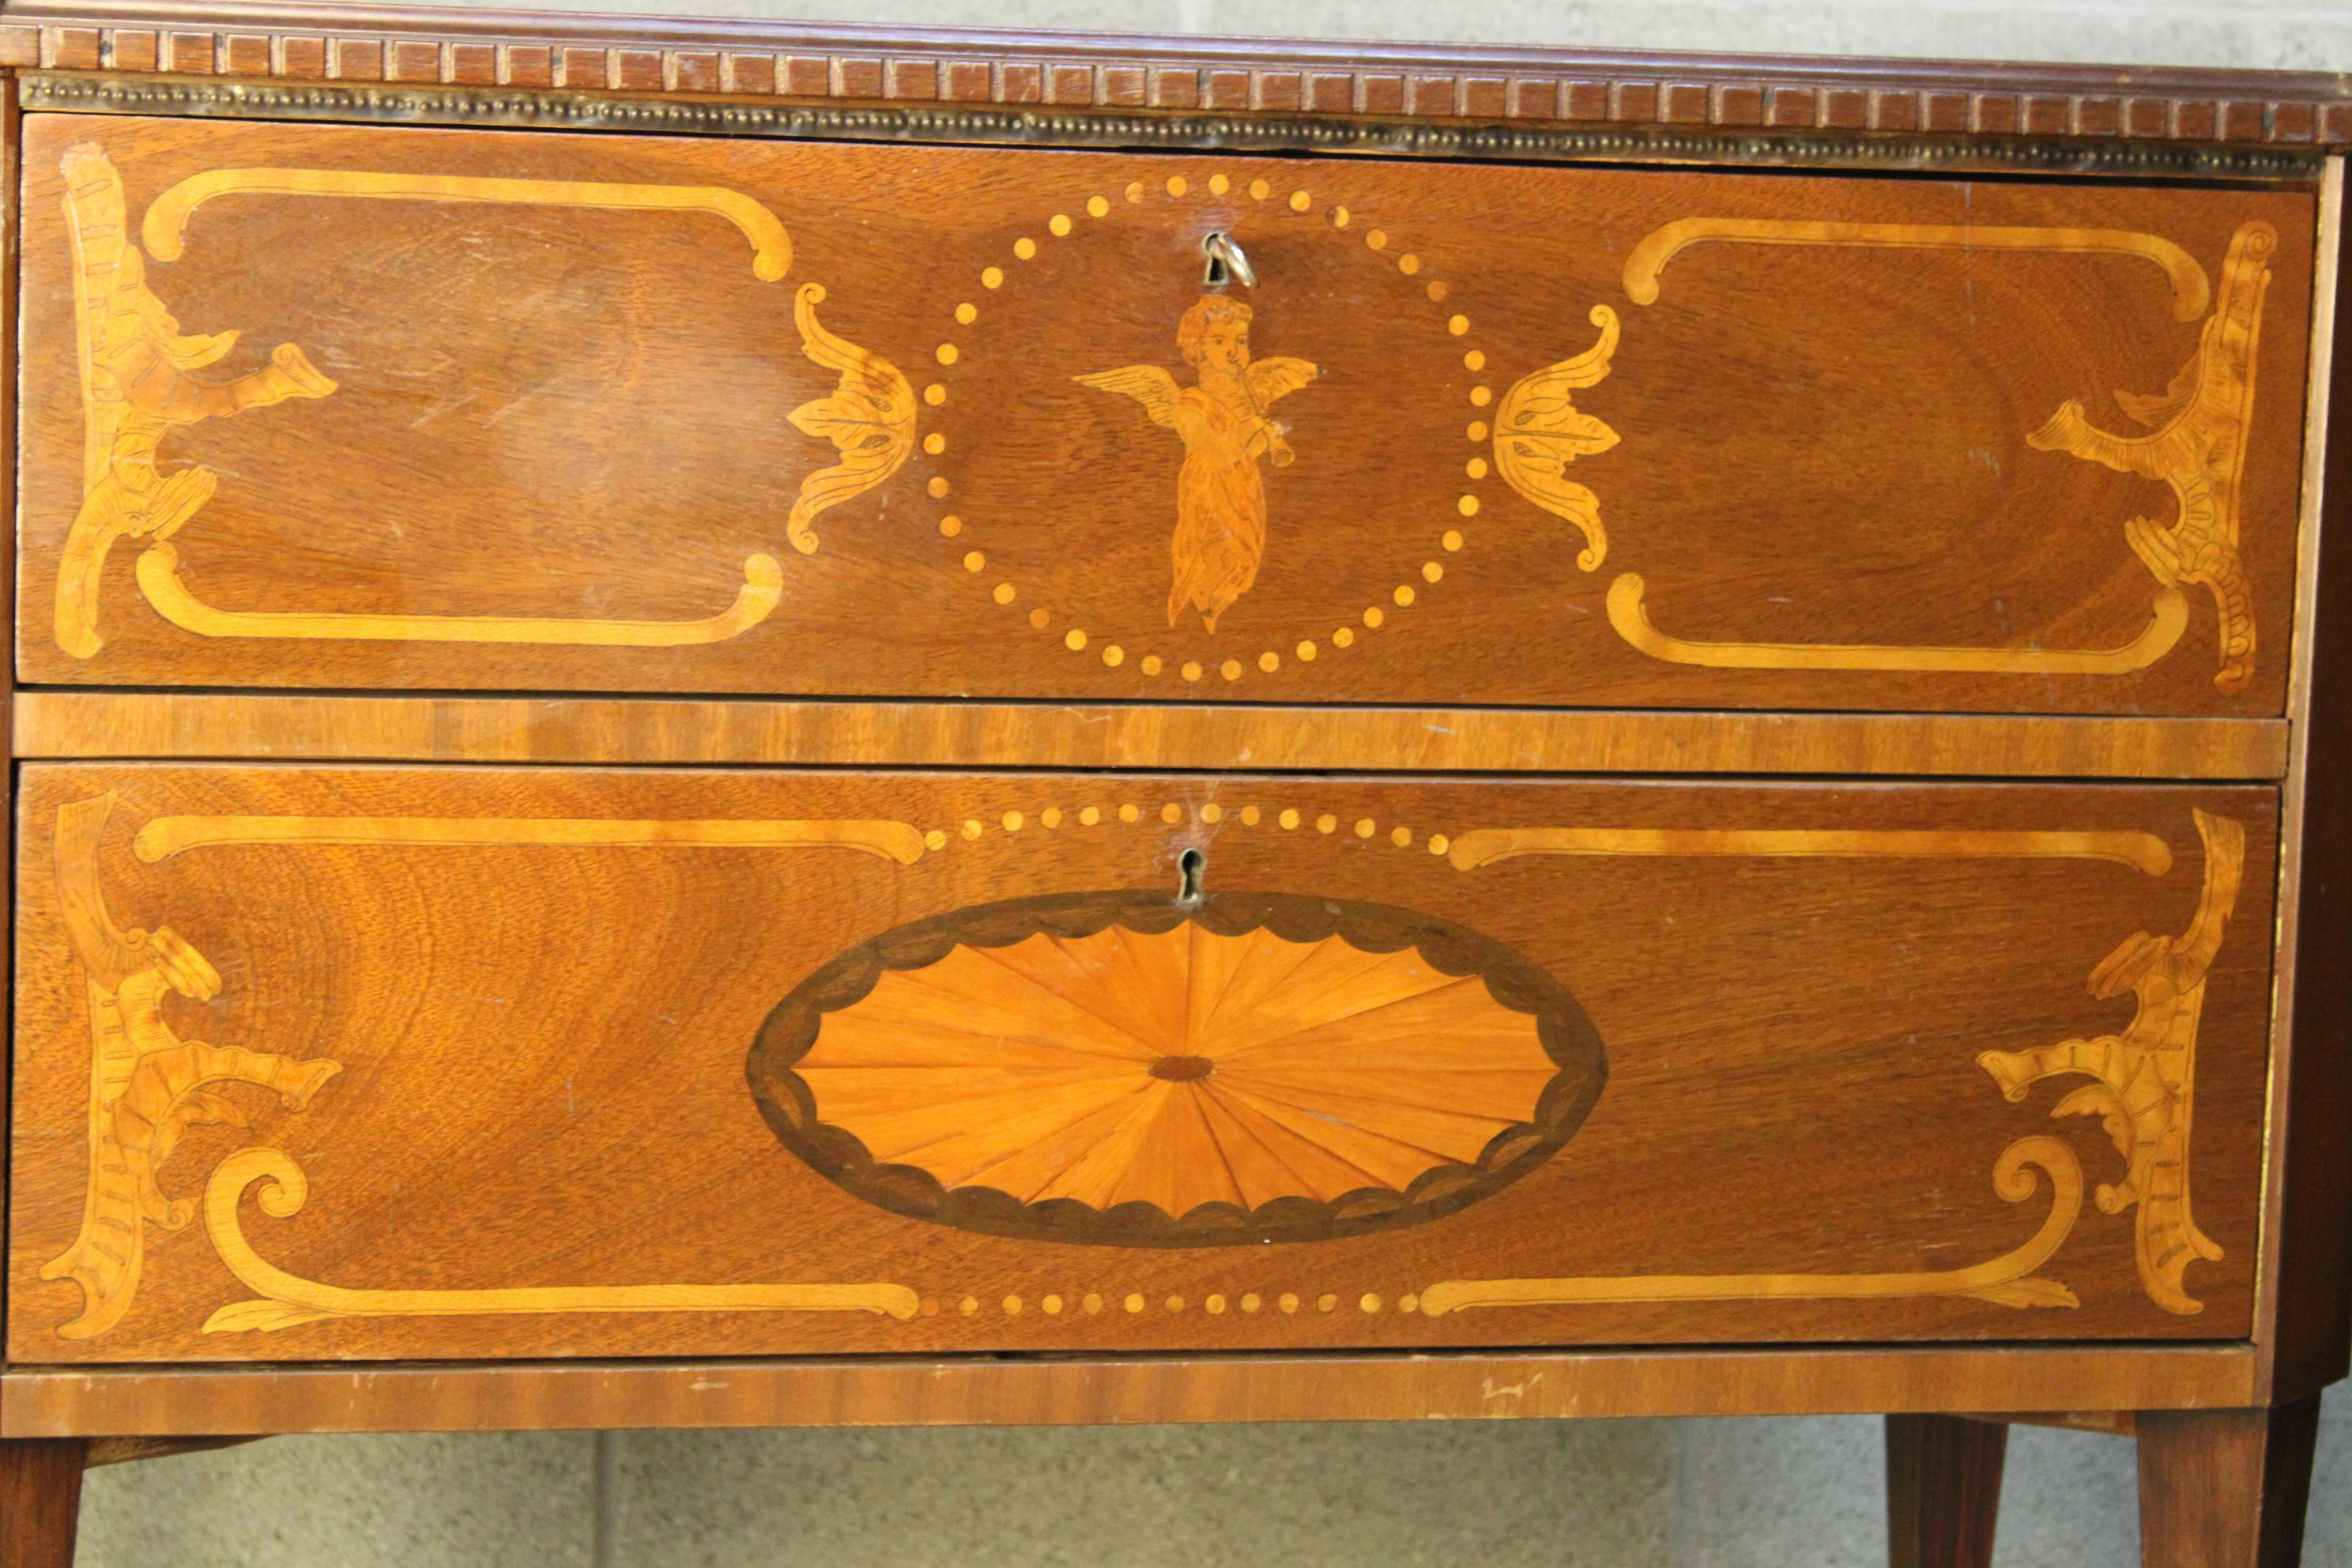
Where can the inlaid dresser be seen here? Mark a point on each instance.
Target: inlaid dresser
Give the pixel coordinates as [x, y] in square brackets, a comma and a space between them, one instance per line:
[726, 723]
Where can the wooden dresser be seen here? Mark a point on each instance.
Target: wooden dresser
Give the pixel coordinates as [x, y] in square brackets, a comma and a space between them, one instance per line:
[741, 724]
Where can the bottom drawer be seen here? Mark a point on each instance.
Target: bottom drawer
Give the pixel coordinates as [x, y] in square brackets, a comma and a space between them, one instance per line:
[423, 1062]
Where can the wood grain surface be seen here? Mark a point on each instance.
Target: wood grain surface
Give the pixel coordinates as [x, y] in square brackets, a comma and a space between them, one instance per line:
[1822, 451]
[498, 1023]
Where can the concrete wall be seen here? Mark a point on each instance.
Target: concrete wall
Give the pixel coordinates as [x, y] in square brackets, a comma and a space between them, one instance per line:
[1616, 1494]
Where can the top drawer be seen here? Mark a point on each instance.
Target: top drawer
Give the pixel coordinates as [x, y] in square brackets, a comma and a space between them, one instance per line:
[329, 406]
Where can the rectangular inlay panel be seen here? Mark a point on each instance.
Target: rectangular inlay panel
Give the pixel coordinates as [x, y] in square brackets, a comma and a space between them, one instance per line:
[330, 406]
[441, 1062]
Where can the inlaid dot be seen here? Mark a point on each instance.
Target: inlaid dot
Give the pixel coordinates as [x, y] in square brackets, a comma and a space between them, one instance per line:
[1408, 263]
[1269, 661]
[1458, 325]
[1482, 396]
[1467, 506]
[1439, 844]
[1089, 816]
[1012, 821]
[1261, 189]
[1252, 1302]
[935, 394]
[1474, 360]
[971, 829]
[1369, 1302]
[991, 277]
[1438, 292]
[1374, 616]
[1097, 206]
[1305, 652]
[1002, 592]
[948, 354]
[1431, 571]
[1477, 431]
[1365, 828]
[1050, 1305]
[975, 561]
[938, 487]
[1151, 665]
[1408, 1302]
[1289, 1302]
[1345, 637]
[1219, 185]
[1133, 1303]
[1074, 640]
[968, 1306]
[1300, 201]
[1324, 1303]
[1171, 813]
[1340, 217]
[1212, 812]
[1130, 813]
[1216, 1304]
[1051, 816]
[1114, 655]
[1250, 815]
[935, 839]
[1289, 818]
[950, 526]
[1401, 837]
[1191, 670]
[1058, 225]
[1327, 823]
[1039, 617]
[935, 443]
[1134, 192]
[1376, 238]
[1012, 1306]
[1403, 595]
[966, 312]
[1177, 185]
[1025, 247]
[1175, 1303]
[1476, 467]
[1230, 669]
[929, 1307]
[1452, 539]
[1094, 1302]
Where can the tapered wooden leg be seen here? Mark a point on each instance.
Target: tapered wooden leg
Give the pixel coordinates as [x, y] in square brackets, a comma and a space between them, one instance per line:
[40, 1497]
[1943, 1490]
[2225, 1489]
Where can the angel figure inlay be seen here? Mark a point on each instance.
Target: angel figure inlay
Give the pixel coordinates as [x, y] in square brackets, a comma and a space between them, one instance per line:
[1225, 429]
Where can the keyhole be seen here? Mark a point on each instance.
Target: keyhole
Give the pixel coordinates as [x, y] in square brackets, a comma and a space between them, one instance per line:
[1216, 274]
[1190, 867]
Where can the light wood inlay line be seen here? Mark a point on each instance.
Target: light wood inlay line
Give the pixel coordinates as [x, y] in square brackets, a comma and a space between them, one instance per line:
[165, 837]
[2191, 288]
[1486, 845]
[165, 227]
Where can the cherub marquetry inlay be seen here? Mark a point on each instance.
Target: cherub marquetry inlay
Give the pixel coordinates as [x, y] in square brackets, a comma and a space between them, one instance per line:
[1225, 429]
[138, 384]
[147, 1086]
[2144, 1079]
[2195, 435]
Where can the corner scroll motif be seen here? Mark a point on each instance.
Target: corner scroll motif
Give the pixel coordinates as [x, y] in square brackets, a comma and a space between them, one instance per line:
[287, 1301]
[869, 418]
[147, 1086]
[2197, 429]
[137, 385]
[1539, 431]
[2144, 1083]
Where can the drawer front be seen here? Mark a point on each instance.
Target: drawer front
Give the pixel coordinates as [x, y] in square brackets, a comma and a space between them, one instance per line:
[410, 1062]
[340, 407]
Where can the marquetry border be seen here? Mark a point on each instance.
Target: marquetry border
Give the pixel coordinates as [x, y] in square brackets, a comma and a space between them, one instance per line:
[983, 69]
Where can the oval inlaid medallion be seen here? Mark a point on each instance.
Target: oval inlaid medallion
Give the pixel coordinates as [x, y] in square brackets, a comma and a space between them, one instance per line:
[1119, 1068]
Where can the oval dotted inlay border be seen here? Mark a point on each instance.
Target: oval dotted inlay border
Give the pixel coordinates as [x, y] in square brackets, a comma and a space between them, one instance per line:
[1076, 638]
